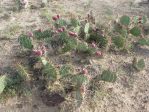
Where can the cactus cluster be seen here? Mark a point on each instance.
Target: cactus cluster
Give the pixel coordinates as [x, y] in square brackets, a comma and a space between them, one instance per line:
[60, 76]
[126, 28]
[73, 37]
[67, 34]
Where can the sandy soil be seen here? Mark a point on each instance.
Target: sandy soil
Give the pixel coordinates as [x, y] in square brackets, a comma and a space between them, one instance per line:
[128, 94]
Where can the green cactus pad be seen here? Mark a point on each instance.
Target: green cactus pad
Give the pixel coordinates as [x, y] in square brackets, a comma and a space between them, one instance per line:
[119, 41]
[108, 76]
[25, 41]
[143, 42]
[135, 31]
[125, 20]
[49, 72]
[3, 83]
[86, 29]
[66, 70]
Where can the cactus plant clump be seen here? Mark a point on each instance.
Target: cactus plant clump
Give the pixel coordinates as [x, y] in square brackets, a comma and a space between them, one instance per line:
[79, 40]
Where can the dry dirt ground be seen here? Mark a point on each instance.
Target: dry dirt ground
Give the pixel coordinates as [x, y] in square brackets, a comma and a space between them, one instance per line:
[131, 91]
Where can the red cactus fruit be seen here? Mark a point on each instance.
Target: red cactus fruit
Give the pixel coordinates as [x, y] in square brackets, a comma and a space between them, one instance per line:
[60, 30]
[30, 34]
[93, 45]
[98, 53]
[63, 28]
[72, 34]
[54, 18]
[43, 49]
[58, 16]
[38, 52]
[84, 71]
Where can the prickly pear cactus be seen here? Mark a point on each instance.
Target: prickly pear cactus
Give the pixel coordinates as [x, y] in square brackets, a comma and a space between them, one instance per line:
[66, 70]
[119, 41]
[143, 42]
[86, 29]
[70, 44]
[99, 39]
[125, 20]
[25, 41]
[47, 34]
[108, 76]
[82, 47]
[38, 34]
[103, 41]
[49, 71]
[74, 22]
[79, 80]
[140, 19]
[43, 34]
[79, 97]
[22, 73]
[117, 27]
[135, 31]
[60, 23]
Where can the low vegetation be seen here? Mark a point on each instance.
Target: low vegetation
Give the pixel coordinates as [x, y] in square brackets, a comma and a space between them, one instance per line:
[72, 41]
